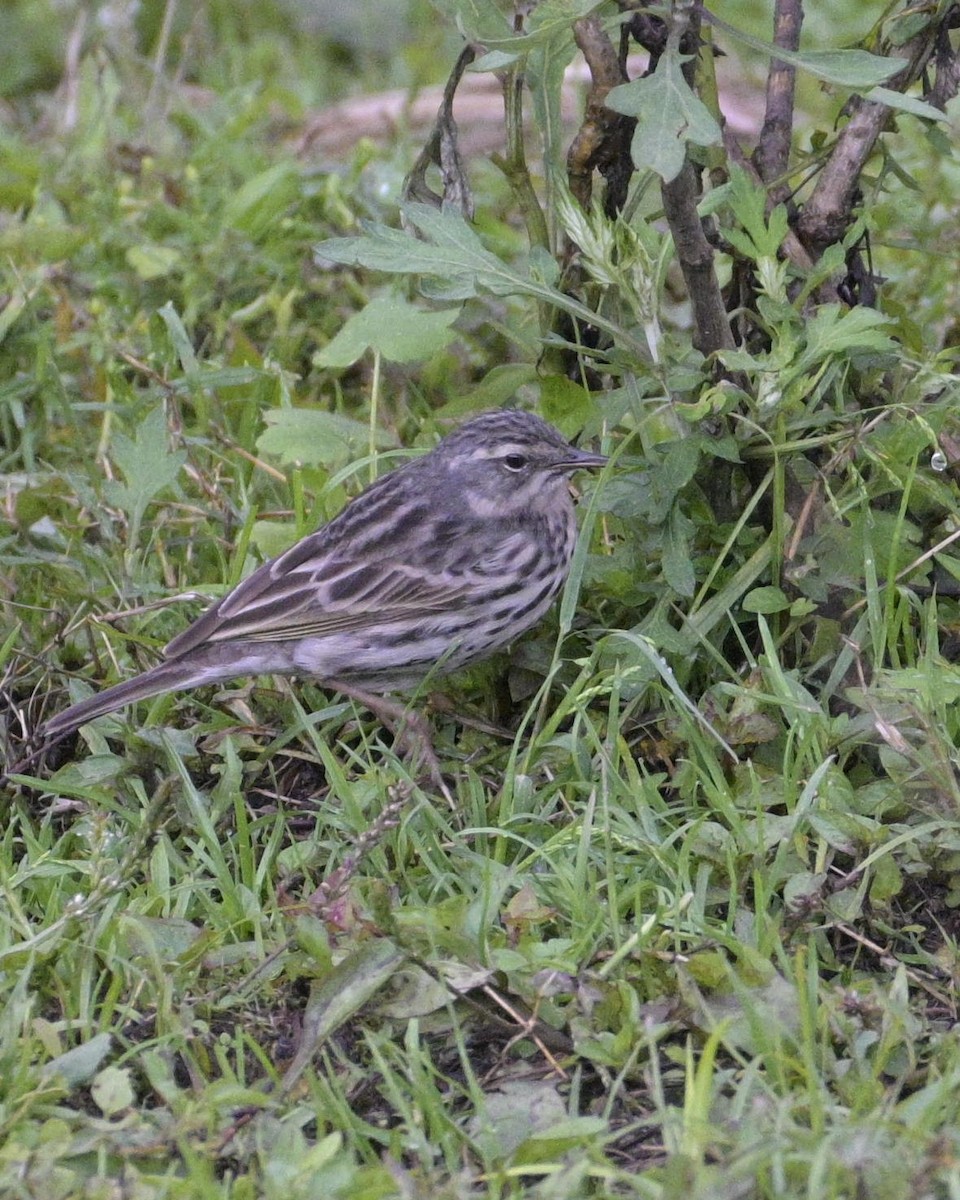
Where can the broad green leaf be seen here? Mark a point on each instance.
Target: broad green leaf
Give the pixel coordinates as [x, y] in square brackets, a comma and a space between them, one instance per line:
[496, 60]
[907, 104]
[761, 236]
[518, 1110]
[81, 1063]
[887, 879]
[315, 438]
[167, 938]
[478, 20]
[271, 538]
[553, 16]
[450, 251]
[392, 327]
[453, 252]
[498, 386]
[668, 116]
[833, 330]
[550, 24]
[565, 403]
[677, 468]
[649, 494]
[153, 262]
[335, 999]
[22, 240]
[765, 600]
[847, 68]
[482, 21]
[112, 1091]
[545, 72]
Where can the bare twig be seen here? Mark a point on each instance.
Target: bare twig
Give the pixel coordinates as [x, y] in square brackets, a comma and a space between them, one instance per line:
[772, 155]
[828, 212]
[442, 149]
[603, 140]
[680, 197]
[947, 61]
[513, 163]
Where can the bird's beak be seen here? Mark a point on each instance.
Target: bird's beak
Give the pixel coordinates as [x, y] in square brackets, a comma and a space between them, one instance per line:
[582, 460]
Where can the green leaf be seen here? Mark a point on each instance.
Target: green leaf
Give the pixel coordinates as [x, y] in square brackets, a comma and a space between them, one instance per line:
[677, 567]
[835, 330]
[678, 467]
[165, 938]
[565, 403]
[907, 104]
[112, 1091]
[496, 387]
[482, 21]
[765, 600]
[271, 538]
[545, 71]
[179, 337]
[477, 20]
[649, 494]
[81, 1063]
[847, 68]
[335, 999]
[262, 200]
[668, 116]
[147, 465]
[153, 262]
[762, 236]
[550, 24]
[450, 251]
[392, 327]
[887, 880]
[314, 438]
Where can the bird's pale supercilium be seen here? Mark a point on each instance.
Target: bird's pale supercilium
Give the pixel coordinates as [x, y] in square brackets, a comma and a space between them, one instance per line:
[435, 565]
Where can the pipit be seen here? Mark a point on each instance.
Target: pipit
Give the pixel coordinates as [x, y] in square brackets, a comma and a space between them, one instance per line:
[437, 564]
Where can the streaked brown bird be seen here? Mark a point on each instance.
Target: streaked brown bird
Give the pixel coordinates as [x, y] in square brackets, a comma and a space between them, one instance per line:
[437, 564]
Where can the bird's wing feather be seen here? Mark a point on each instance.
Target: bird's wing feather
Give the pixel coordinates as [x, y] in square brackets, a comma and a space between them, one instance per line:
[313, 591]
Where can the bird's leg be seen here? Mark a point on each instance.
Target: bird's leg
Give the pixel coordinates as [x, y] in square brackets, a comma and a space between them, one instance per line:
[409, 727]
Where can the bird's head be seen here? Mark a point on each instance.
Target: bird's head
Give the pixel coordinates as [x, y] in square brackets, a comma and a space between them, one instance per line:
[507, 461]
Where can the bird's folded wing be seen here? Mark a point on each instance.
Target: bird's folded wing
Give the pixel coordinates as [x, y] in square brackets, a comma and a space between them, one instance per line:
[320, 596]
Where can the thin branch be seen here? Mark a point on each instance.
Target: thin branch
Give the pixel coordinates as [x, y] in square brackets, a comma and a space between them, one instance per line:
[695, 255]
[827, 214]
[442, 149]
[947, 61]
[680, 197]
[603, 140]
[772, 155]
[513, 163]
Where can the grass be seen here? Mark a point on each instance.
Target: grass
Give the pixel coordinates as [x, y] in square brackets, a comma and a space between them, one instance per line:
[688, 930]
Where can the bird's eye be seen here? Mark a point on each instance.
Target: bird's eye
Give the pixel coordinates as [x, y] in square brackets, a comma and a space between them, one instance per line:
[514, 462]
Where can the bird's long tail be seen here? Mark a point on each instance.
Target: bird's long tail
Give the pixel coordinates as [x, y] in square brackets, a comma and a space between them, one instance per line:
[165, 677]
[210, 664]
[214, 662]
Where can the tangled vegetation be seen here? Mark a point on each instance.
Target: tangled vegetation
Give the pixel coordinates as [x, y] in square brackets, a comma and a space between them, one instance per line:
[687, 930]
